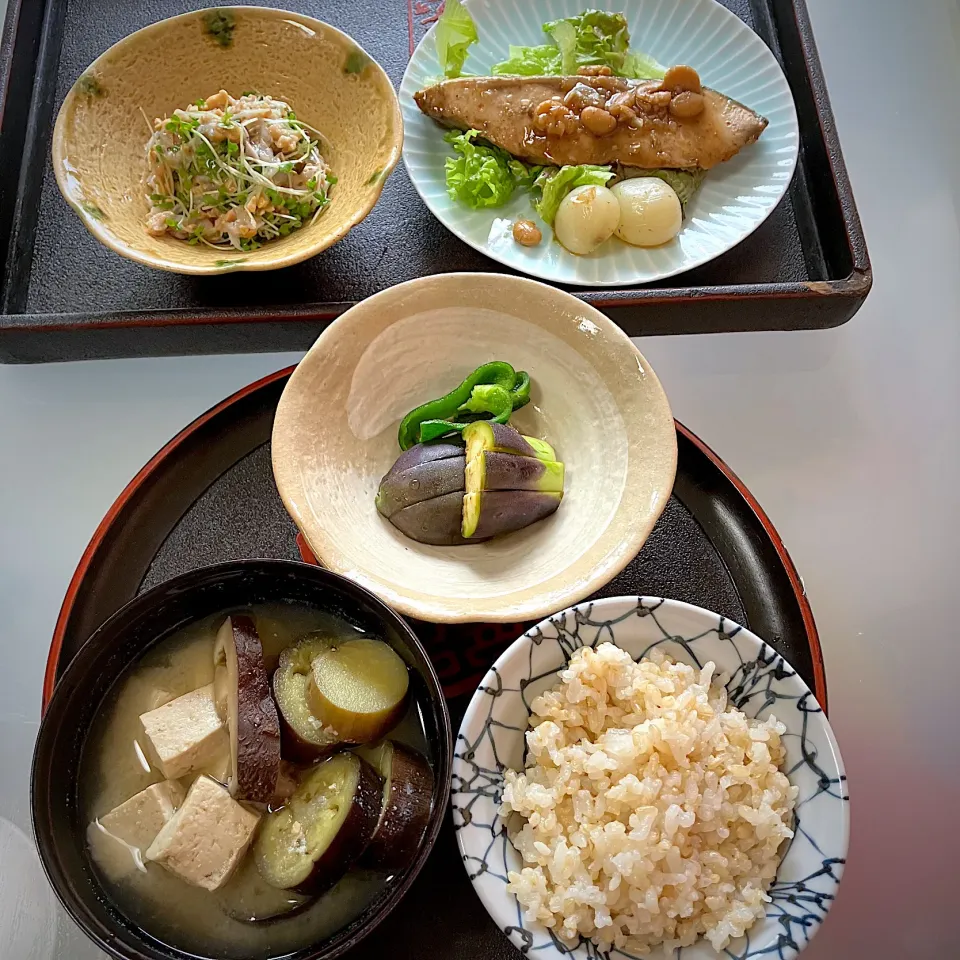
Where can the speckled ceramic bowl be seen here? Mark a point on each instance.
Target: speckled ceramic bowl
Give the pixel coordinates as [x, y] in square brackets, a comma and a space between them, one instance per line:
[332, 84]
[594, 397]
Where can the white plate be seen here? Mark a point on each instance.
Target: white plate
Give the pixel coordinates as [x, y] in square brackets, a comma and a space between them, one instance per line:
[759, 682]
[736, 196]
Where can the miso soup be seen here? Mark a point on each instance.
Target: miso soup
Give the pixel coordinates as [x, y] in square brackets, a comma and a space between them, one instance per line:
[256, 781]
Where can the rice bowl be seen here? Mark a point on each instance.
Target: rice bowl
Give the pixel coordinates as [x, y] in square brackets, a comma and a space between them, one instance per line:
[749, 811]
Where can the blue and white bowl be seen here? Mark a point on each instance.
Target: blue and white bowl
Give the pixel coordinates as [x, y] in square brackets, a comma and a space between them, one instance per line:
[759, 682]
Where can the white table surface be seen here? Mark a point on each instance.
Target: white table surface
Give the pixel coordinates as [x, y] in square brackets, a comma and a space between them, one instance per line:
[849, 439]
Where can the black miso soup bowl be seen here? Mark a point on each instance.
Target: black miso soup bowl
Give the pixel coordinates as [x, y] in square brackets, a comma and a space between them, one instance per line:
[116, 646]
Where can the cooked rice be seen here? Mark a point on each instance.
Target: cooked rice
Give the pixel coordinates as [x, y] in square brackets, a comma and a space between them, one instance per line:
[653, 809]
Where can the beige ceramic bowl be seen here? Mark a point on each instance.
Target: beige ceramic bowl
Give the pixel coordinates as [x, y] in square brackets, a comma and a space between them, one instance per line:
[100, 135]
[594, 398]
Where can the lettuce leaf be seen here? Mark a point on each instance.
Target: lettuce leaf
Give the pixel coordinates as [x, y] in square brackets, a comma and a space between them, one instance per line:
[482, 176]
[593, 38]
[453, 35]
[541, 61]
[555, 183]
[641, 66]
[564, 35]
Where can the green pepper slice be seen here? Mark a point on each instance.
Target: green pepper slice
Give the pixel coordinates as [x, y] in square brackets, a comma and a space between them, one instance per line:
[521, 390]
[488, 398]
[496, 373]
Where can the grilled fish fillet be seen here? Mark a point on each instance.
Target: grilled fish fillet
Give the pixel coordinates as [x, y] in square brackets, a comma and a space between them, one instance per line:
[503, 108]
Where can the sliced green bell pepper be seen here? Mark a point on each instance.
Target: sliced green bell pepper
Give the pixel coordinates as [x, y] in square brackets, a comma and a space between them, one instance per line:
[521, 390]
[494, 388]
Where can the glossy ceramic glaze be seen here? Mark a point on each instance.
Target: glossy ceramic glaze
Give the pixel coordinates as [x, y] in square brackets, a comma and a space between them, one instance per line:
[759, 682]
[330, 82]
[736, 197]
[119, 643]
[594, 397]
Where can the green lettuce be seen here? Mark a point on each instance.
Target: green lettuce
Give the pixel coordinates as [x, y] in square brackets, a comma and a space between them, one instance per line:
[483, 176]
[593, 38]
[555, 183]
[530, 62]
[453, 35]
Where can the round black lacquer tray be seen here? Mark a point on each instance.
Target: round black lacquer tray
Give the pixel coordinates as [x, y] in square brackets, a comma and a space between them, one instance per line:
[209, 496]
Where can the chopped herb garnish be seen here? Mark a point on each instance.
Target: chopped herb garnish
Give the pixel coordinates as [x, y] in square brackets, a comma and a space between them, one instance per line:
[210, 189]
[356, 61]
[88, 84]
[220, 24]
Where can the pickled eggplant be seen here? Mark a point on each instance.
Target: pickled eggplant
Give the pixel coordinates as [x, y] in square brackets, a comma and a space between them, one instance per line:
[359, 689]
[242, 693]
[303, 737]
[407, 798]
[507, 471]
[426, 481]
[324, 827]
[495, 512]
[435, 522]
[428, 452]
[502, 438]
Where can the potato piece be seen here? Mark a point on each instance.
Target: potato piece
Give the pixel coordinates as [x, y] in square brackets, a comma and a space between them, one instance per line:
[324, 828]
[359, 688]
[251, 714]
[302, 736]
[650, 211]
[407, 799]
[586, 217]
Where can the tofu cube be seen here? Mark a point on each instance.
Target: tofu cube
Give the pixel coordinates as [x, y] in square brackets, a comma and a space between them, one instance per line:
[138, 820]
[119, 838]
[206, 838]
[186, 734]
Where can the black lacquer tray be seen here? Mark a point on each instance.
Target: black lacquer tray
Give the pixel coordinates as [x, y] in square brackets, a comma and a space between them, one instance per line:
[64, 296]
[208, 496]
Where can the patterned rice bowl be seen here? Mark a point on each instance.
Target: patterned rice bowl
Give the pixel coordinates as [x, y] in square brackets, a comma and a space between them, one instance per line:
[759, 682]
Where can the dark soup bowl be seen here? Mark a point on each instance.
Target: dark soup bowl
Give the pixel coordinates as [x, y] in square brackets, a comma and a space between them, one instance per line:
[163, 843]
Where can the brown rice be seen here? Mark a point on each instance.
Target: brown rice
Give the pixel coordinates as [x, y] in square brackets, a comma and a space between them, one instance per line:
[652, 810]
